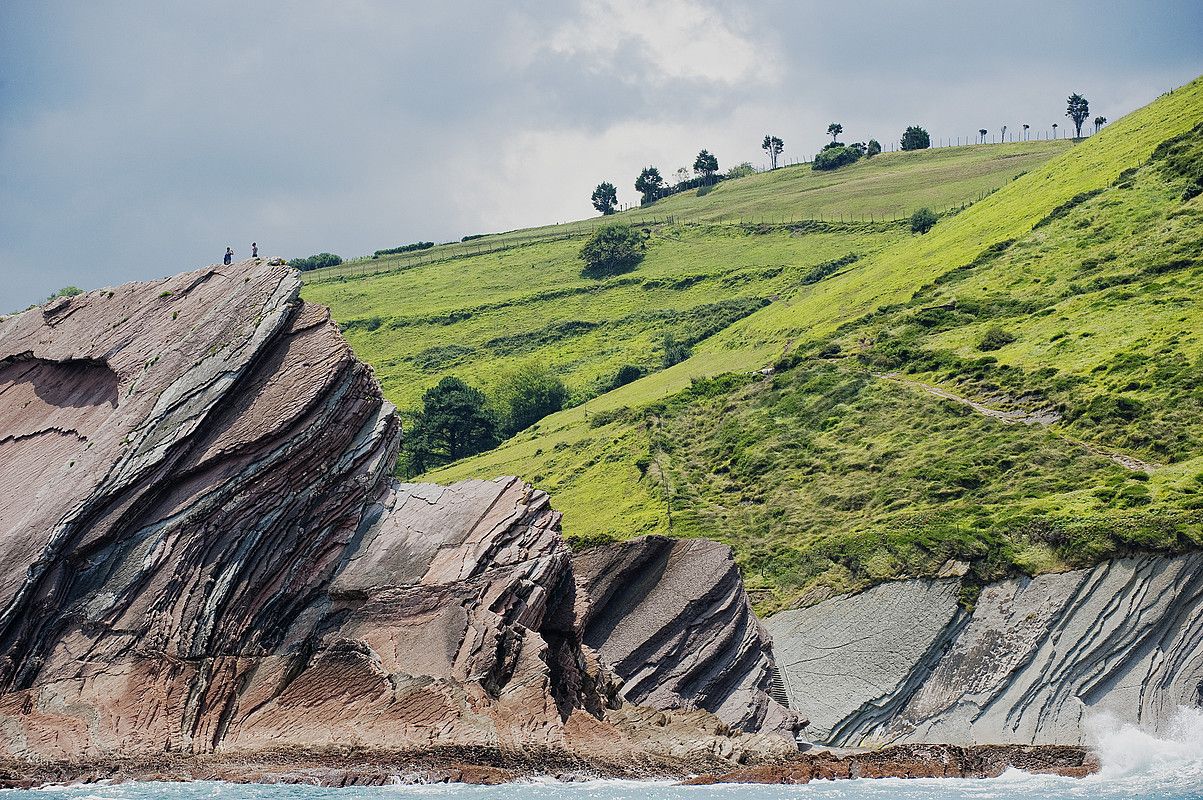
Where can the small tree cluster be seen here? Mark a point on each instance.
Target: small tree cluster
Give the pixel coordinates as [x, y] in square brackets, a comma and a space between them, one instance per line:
[923, 221]
[774, 147]
[915, 138]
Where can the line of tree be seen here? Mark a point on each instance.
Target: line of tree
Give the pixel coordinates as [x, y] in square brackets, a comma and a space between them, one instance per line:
[836, 154]
[315, 261]
[405, 248]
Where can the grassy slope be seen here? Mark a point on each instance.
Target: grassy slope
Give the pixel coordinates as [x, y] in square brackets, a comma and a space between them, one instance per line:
[887, 186]
[828, 476]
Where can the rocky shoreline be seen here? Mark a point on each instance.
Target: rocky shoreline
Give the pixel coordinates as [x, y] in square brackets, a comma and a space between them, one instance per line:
[491, 766]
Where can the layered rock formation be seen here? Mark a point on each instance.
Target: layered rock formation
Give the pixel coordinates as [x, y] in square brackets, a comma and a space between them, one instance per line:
[1035, 661]
[671, 618]
[202, 549]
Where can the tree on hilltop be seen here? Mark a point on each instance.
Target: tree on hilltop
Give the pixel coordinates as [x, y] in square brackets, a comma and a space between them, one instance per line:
[1077, 109]
[834, 130]
[1025, 131]
[982, 133]
[915, 138]
[774, 147]
[1003, 137]
[1054, 130]
[605, 197]
[706, 164]
[1099, 122]
[649, 184]
[873, 149]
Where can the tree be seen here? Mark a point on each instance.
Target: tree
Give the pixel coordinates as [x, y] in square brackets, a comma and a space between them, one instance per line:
[1003, 137]
[66, 291]
[682, 174]
[1054, 130]
[455, 422]
[834, 130]
[915, 138]
[315, 262]
[649, 184]
[605, 197]
[526, 394]
[1077, 109]
[774, 147]
[1099, 122]
[613, 249]
[982, 133]
[922, 221]
[1025, 131]
[873, 149]
[706, 164]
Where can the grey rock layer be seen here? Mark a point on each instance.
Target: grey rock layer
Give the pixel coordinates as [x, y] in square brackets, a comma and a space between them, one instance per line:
[672, 619]
[1035, 663]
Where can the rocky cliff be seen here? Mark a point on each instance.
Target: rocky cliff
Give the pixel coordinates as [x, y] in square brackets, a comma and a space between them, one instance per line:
[671, 618]
[202, 549]
[1034, 662]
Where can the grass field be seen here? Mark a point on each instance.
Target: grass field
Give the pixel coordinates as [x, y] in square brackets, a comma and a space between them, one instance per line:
[887, 187]
[1070, 294]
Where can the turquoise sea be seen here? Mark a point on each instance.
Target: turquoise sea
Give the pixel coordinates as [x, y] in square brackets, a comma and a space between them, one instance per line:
[1135, 765]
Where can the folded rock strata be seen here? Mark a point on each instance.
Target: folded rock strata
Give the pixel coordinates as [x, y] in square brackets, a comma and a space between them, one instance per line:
[672, 619]
[202, 549]
[1037, 660]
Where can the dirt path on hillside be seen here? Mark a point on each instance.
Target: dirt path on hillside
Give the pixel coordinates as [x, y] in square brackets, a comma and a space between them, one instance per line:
[1043, 418]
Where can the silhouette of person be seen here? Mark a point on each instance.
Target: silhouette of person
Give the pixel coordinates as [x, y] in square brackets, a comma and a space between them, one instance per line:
[229, 255]
[254, 250]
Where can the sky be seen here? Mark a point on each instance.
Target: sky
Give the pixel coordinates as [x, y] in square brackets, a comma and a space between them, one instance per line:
[140, 138]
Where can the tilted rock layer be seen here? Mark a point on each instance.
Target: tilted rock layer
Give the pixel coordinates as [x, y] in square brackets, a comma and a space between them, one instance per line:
[202, 549]
[672, 619]
[1036, 660]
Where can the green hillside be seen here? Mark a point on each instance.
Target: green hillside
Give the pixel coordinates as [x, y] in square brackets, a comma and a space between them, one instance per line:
[1018, 389]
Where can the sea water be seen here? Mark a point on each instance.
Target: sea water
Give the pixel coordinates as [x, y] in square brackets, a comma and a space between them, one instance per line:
[1135, 764]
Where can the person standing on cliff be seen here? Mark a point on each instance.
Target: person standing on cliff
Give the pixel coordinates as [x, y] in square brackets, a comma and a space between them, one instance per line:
[254, 250]
[229, 256]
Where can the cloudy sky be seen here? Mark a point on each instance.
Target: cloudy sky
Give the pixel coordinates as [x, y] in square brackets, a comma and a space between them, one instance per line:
[138, 139]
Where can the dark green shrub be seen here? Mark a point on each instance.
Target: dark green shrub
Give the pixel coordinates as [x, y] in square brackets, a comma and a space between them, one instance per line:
[405, 248]
[834, 156]
[821, 271]
[923, 221]
[673, 350]
[995, 338]
[873, 149]
[626, 374]
[612, 250]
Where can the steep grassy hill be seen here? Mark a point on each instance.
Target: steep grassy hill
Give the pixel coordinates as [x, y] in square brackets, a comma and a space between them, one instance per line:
[1018, 389]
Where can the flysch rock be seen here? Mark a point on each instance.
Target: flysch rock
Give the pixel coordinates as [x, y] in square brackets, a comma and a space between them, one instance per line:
[202, 550]
[672, 619]
[1040, 660]
[847, 661]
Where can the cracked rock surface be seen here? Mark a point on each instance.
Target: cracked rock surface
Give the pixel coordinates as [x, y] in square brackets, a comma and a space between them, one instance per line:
[202, 550]
[1036, 661]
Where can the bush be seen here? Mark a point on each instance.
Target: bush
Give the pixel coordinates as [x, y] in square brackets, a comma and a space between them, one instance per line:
[741, 170]
[923, 220]
[66, 291]
[995, 338]
[627, 373]
[834, 156]
[315, 262]
[527, 394]
[915, 138]
[405, 248]
[614, 249]
[873, 149]
[674, 350]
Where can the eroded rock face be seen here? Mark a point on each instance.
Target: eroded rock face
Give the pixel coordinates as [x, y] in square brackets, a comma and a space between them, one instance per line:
[1036, 660]
[672, 619]
[202, 549]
